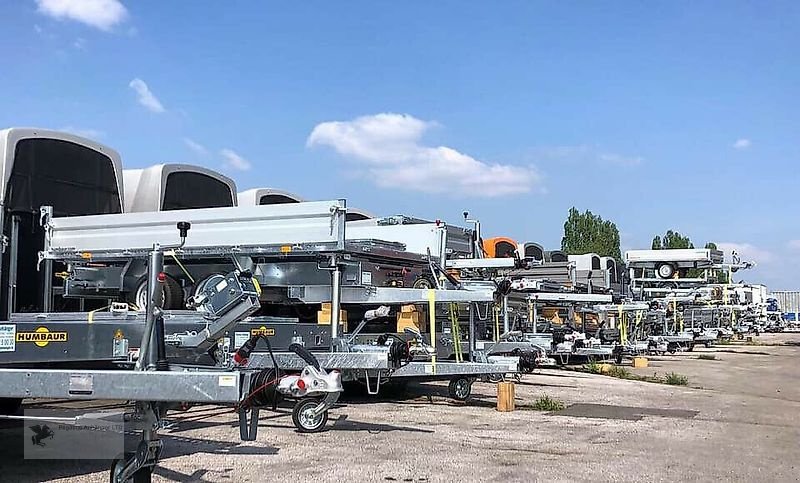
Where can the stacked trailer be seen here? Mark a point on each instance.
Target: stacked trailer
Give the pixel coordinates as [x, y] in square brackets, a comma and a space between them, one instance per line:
[166, 357]
[573, 339]
[298, 253]
[74, 175]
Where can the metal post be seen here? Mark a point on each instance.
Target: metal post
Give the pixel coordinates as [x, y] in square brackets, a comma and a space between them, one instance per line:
[336, 298]
[148, 353]
[506, 326]
[531, 317]
[12, 266]
[472, 308]
[47, 299]
[443, 246]
[535, 316]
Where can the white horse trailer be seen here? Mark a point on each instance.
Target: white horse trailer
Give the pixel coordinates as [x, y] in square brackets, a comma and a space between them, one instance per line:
[166, 187]
[268, 196]
[272, 196]
[74, 175]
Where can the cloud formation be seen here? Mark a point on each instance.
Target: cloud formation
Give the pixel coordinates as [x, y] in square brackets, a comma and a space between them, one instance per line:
[585, 154]
[196, 147]
[101, 14]
[621, 160]
[234, 160]
[742, 144]
[390, 153]
[145, 96]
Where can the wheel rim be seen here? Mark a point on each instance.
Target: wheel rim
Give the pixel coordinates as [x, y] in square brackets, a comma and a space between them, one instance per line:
[307, 418]
[141, 296]
[462, 388]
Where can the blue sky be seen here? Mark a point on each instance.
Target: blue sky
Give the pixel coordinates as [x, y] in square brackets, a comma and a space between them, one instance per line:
[668, 115]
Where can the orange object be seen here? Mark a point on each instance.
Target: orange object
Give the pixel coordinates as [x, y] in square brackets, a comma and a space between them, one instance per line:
[500, 247]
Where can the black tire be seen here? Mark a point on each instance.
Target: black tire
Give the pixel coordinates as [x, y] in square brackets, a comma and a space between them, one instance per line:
[690, 347]
[143, 475]
[460, 388]
[494, 378]
[618, 358]
[10, 406]
[423, 283]
[305, 423]
[173, 294]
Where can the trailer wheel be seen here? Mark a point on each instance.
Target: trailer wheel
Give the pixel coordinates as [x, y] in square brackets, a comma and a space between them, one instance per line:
[9, 406]
[495, 378]
[460, 388]
[173, 294]
[665, 270]
[304, 420]
[143, 475]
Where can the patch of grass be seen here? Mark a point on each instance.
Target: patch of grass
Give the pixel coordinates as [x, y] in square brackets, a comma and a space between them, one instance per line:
[674, 379]
[619, 372]
[593, 368]
[547, 403]
[707, 357]
[724, 342]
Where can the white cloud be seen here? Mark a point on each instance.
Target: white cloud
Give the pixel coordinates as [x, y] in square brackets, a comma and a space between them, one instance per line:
[234, 160]
[388, 146]
[620, 160]
[794, 244]
[83, 132]
[196, 147]
[101, 14]
[584, 154]
[747, 252]
[146, 96]
[742, 143]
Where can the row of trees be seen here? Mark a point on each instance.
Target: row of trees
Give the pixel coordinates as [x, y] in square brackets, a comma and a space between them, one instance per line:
[589, 233]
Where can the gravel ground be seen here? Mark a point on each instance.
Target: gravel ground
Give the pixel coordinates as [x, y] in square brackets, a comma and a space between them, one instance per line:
[735, 420]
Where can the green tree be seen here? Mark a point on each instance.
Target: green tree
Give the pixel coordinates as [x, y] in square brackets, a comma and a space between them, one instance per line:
[589, 233]
[671, 240]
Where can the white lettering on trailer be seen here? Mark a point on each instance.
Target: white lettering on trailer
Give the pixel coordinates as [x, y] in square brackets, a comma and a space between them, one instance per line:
[8, 338]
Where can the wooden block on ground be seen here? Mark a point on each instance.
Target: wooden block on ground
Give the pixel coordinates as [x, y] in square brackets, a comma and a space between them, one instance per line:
[505, 396]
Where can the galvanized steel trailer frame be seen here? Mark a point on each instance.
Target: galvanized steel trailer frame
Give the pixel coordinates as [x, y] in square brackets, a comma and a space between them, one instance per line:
[153, 386]
[276, 232]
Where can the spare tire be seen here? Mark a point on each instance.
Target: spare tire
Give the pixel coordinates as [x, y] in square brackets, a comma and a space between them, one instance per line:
[665, 270]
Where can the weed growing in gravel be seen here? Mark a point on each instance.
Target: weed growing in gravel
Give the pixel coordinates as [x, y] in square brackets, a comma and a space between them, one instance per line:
[619, 372]
[674, 379]
[593, 368]
[546, 403]
[707, 357]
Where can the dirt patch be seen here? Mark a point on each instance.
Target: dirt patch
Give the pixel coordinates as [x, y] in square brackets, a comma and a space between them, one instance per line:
[623, 413]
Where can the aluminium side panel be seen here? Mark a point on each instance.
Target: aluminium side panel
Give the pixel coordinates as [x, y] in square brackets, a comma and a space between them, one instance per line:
[305, 224]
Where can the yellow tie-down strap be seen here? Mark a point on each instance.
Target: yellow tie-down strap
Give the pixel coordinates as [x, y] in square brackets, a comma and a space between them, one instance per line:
[432, 320]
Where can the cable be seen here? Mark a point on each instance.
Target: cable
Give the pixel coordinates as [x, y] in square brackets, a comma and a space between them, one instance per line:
[186, 272]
